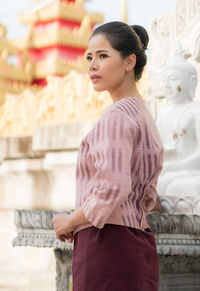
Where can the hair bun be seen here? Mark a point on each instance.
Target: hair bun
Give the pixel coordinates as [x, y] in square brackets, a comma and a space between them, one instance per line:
[143, 34]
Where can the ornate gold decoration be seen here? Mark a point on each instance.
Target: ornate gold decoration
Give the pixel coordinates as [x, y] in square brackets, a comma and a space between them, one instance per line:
[14, 72]
[18, 114]
[63, 100]
[59, 9]
[124, 11]
[2, 92]
[70, 99]
[13, 78]
[5, 46]
[55, 65]
[77, 37]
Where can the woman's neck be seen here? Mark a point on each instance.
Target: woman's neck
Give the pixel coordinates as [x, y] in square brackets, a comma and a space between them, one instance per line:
[126, 89]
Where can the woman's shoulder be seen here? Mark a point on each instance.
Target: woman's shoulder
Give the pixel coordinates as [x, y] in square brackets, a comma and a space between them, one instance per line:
[122, 103]
[123, 110]
[128, 108]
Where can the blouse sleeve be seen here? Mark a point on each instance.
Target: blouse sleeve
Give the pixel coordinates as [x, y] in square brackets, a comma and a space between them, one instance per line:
[111, 151]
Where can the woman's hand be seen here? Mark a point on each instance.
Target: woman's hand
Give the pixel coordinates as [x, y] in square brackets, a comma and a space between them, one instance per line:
[69, 237]
[63, 227]
[65, 224]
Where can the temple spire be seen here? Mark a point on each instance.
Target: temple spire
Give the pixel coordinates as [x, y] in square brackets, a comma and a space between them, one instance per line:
[124, 11]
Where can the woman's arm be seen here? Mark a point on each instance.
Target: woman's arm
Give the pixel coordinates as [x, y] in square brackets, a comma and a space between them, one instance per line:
[77, 218]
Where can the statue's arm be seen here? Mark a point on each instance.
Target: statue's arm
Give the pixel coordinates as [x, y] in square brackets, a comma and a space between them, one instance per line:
[170, 152]
[197, 126]
[193, 161]
[170, 149]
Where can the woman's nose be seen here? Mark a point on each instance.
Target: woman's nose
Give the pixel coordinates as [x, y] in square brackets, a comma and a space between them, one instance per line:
[93, 65]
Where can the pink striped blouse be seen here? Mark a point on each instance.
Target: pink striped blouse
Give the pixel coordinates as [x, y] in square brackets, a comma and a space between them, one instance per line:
[118, 164]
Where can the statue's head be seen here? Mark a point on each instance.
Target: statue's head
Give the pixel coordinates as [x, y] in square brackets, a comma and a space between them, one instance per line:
[180, 78]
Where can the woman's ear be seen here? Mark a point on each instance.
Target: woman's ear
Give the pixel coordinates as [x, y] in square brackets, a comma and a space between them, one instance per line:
[130, 62]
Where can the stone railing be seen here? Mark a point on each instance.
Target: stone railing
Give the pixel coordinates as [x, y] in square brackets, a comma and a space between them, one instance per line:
[178, 244]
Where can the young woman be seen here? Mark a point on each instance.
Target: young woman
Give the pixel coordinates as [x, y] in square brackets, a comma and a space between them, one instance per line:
[118, 165]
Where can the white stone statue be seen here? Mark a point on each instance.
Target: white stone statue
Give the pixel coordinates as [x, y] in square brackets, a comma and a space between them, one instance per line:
[179, 126]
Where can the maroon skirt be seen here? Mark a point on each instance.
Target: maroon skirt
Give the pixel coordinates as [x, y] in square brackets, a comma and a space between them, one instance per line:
[115, 258]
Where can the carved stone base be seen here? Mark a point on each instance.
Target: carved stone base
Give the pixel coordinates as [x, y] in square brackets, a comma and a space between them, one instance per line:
[179, 205]
[63, 269]
[179, 273]
[180, 282]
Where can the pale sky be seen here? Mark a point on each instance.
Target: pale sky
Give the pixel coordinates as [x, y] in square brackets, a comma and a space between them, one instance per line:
[139, 11]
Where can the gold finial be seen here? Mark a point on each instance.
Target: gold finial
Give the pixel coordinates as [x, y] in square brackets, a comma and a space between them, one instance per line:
[2, 30]
[124, 11]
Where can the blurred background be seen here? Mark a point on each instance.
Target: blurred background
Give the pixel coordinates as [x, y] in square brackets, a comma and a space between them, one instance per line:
[47, 105]
[139, 11]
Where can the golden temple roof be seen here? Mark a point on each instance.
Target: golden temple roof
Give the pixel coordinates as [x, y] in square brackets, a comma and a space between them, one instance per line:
[5, 46]
[13, 78]
[78, 37]
[58, 9]
[17, 76]
[53, 65]
[56, 65]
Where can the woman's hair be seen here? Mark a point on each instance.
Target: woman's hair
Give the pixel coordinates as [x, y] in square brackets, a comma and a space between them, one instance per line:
[127, 40]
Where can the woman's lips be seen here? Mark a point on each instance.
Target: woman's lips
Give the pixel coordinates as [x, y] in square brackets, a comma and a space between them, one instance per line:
[95, 78]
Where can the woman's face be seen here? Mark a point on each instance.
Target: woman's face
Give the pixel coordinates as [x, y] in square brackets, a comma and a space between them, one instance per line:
[106, 68]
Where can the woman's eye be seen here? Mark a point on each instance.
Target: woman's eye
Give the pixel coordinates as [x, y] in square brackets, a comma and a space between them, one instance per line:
[103, 56]
[89, 58]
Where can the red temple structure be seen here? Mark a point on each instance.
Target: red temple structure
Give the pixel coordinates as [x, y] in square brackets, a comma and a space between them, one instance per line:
[57, 39]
